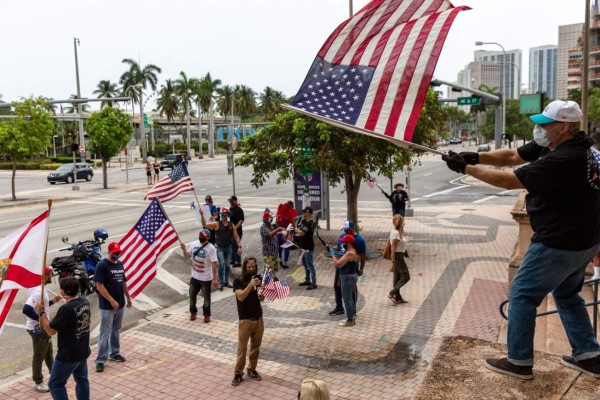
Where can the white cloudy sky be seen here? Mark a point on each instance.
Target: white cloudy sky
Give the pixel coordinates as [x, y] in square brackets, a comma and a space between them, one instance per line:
[254, 42]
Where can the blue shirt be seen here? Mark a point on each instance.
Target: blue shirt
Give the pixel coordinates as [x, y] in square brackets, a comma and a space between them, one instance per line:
[359, 243]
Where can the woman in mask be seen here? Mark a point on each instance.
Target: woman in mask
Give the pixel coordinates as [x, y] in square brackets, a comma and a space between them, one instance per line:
[348, 268]
[399, 267]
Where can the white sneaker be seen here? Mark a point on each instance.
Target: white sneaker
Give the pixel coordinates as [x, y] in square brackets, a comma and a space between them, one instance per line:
[595, 277]
[41, 387]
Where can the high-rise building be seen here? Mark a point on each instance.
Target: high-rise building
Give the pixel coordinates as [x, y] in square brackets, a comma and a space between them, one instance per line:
[568, 59]
[594, 51]
[542, 70]
[510, 82]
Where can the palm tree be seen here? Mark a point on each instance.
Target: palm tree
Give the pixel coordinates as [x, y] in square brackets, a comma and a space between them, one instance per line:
[141, 77]
[245, 99]
[225, 101]
[184, 88]
[72, 109]
[167, 101]
[106, 89]
[270, 100]
[203, 92]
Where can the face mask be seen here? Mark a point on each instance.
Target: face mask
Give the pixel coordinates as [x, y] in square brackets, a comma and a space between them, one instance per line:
[115, 256]
[345, 246]
[203, 240]
[539, 135]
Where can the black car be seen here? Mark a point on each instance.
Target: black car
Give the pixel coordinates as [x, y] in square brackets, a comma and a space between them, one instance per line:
[171, 160]
[65, 174]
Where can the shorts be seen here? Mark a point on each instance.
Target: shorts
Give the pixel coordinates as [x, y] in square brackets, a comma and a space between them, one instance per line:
[148, 173]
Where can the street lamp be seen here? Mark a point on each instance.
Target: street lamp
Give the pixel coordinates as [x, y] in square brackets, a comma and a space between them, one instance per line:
[498, 136]
[54, 144]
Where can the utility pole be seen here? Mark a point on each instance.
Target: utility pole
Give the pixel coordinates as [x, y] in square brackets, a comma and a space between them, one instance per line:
[142, 135]
[79, 108]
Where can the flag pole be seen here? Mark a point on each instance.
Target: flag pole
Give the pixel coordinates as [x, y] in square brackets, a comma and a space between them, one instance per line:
[168, 219]
[45, 250]
[407, 145]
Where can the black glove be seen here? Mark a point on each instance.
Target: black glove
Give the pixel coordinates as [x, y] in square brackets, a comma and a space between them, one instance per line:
[455, 162]
[470, 157]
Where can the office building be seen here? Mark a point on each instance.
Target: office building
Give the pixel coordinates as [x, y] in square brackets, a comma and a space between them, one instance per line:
[542, 70]
[568, 59]
[510, 79]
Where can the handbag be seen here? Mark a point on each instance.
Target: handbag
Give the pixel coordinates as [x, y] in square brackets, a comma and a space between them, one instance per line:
[387, 252]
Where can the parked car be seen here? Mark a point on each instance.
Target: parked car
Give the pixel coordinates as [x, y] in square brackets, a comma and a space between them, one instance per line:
[64, 173]
[171, 160]
[483, 147]
[442, 143]
[455, 141]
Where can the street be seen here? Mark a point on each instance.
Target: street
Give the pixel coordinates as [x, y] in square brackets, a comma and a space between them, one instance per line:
[117, 211]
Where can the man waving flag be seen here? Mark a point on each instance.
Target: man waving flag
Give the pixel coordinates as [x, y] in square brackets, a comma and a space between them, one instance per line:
[169, 187]
[374, 70]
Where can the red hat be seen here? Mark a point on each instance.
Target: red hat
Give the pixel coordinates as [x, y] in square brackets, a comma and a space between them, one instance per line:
[204, 234]
[114, 247]
[48, 270]
[224, 210]
[348, 239]
[267, 214]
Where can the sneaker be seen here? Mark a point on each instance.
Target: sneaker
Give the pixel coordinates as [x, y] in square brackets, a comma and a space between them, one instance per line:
[392, 298]
[336, 311]
[206, 319]
[237, 379]
[100, 367]
[311, 287]
[304, 284]
[346, 324]
[221, 287]
[117, 358]
[503, 366]
[285, 266]
[281, 264]
[255, 375]
[41, 387]
[193, 316]
[228, 285]
[591, 366]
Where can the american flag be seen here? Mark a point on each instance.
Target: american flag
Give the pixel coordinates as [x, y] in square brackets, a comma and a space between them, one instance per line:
[374, 70]
[371, 183]
[142, 245]
[21, 260]
[267, 277]
[169, 187]
[276, 290]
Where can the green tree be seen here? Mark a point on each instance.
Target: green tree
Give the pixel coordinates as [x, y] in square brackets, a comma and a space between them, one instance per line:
[109, 130]
[167, 101]
[106, 89]
[245, 100]
[347, 157]
[205, 98]
[28, 132]
[225, 101]
[184, 87]
[72, 109]
[270, 100]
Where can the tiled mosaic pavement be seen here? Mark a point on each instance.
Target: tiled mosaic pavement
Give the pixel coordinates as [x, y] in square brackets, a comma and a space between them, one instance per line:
[458, 278]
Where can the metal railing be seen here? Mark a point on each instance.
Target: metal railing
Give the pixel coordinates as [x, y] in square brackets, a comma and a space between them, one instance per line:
[594, 304]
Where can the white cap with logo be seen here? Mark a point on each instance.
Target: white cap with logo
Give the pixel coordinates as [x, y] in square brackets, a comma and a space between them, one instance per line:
[558, 111]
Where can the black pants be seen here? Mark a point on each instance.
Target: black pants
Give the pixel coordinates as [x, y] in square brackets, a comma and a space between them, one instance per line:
[195, 287]
[401, 275]
[42, 352]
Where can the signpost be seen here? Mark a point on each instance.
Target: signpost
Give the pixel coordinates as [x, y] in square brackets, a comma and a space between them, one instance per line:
[469, 101]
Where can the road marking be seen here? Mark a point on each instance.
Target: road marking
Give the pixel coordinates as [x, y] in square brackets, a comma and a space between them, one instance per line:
[144, 303]
[484, 199]
[13, 325]
[444, 191]
[169, 279]
[431, 173]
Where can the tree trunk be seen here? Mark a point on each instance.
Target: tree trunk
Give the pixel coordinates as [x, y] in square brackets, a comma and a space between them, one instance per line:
[187, 131]
[104, 173]
[352, 190]
[211, 133]
[12, 182]
[201, 156]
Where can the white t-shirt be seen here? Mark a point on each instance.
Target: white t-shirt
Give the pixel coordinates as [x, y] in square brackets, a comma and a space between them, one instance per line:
[401, 245]
[202, 259]
[33, 299]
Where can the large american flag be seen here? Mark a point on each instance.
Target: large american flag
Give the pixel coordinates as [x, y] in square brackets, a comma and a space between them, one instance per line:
[374, 70]
[21, 261]
[142, 245]
[169, 187]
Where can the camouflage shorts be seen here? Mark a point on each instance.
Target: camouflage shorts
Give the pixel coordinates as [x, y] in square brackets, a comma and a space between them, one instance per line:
[271, 262]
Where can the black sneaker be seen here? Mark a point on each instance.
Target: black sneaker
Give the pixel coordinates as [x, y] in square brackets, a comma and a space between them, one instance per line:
[100, 367]
[237, 379]
[591, 366]
[117, 358]
[336, 311]
[285, 266]
[503, 366]
[304, 284]
[221, 287]
[255, 375]
[311, 287]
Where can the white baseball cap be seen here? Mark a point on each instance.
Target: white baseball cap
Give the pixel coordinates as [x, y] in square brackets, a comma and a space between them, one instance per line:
[558, 110]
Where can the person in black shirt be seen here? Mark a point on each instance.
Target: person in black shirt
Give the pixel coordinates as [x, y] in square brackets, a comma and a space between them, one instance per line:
[398, 198]
[72, 323]
[305, 231]
[237, 219]
[251, 326]
[567, 233]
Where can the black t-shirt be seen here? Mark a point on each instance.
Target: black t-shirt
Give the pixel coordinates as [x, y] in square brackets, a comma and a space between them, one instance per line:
[306, 241]
[250, 308]
[72, 321]
[398, 198]
[237, 215]
[563, 199]
[113, 278]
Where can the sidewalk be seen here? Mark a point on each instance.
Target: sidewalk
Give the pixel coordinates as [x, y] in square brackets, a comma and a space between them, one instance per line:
[458, 278]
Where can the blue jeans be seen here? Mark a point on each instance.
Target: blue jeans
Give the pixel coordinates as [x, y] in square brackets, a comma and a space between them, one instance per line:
[348, 294]
[309, 267]
[236, 259]
[560, 272]
[337, 290]
[223, 256]
[108, 339]
[286, 252]
[61, 370]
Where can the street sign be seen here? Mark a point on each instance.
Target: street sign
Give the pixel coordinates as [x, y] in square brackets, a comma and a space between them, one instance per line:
[81, 148]
[531, 103]
[469, 101]
[145, 120]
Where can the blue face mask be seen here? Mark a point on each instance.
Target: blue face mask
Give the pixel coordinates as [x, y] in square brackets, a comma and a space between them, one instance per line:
[115, 256]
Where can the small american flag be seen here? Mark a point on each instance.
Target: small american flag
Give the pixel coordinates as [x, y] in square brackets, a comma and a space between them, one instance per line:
[276, 290]
[374, 70]
[372, 183]
[169, 187]
[267, 277]
[142, 245]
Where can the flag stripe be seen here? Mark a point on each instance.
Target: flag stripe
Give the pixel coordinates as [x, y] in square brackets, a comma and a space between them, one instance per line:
[32, 224]
[175, 183]
[358, 31]
[6, 300]
[25, 278]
